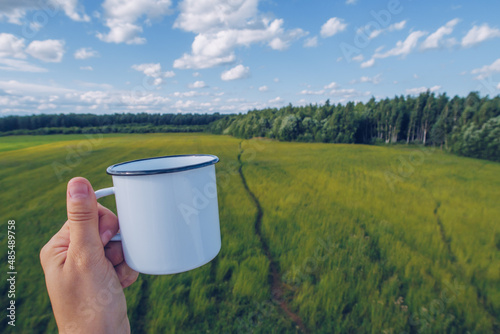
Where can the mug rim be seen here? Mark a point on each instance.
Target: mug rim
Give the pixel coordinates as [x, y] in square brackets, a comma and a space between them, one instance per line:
[111, 169]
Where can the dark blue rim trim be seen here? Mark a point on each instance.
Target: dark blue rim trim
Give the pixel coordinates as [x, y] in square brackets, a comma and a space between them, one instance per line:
[214, 160]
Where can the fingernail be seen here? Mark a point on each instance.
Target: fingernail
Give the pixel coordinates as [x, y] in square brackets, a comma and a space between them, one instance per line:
[106, 236]
[78, 190]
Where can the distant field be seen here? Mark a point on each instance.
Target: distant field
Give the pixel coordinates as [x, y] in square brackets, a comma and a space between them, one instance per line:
[364, 238]
[9, 143]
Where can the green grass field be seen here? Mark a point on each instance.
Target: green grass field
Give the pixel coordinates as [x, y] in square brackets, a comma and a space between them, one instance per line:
[366, 239]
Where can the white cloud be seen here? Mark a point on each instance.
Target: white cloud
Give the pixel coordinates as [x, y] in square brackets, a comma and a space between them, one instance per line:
[217, 48]
[331, 85]
[20, 88]
[149, 69]
[397, 26]
[86, 68]
[94, 85]
[479, 34]
[8, 101]
[358, 58]
[11, 46]
[50, 50]
[347, 94]
[14, 11]
[374, 80]
[196, 74]
[416, 91]
[201, 61]
[276, 80]
[180, 104]
[350, 2]
[169, 74]
[312, 92]
[498, 86]
[191, 93]
[365, 79]
[121, 19]
[84, 53]
[311, 42]
[119, 99]
[276, 100]
[278, 44]
[35, 26]
[223, 25]
[263, 89]
[202, 16]
[45, 106]
[435, 40]
[198, 84]
[402, 48]
[487, 70]
[237, 72]
[153, 70]
[70, 8]
[11, 14]
[368, 63]
[332, 27]
[371, 32]
[19, 66]
[344, 92]
[22, 97]
[235, 100]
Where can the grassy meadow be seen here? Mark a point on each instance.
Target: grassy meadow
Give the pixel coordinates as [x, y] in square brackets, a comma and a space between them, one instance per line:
[382, 240]
[366, 239]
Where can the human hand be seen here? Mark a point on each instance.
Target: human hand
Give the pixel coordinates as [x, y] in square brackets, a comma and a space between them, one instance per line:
[85, 273]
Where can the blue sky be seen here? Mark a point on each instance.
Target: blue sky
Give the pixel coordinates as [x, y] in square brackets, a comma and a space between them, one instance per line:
[231, 56]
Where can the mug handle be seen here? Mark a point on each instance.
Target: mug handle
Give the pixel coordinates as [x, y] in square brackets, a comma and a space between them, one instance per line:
[106, 192]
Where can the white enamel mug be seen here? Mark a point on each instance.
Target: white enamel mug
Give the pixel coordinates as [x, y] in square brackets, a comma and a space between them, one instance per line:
[167, 211]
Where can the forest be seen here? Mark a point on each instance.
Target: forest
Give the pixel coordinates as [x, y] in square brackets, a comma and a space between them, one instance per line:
[468, 126]
[107, 123]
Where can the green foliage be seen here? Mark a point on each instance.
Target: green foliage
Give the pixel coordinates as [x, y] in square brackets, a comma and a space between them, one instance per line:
[426, 119]
[478, 142]
[113, 123]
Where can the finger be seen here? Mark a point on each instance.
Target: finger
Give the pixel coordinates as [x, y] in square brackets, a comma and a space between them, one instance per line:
[83, 216]
[114, 253]
[126, 275]
[54, 251]
[61, 238]
[108, 224]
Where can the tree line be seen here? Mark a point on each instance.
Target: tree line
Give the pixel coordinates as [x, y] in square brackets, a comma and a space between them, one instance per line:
[109, 123]
[468, 126]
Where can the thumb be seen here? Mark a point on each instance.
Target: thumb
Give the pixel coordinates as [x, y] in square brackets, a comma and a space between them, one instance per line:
[83, 219]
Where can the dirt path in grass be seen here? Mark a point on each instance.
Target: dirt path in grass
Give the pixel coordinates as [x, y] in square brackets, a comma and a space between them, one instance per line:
[446, 240]
[277, 290]
[481, 295]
